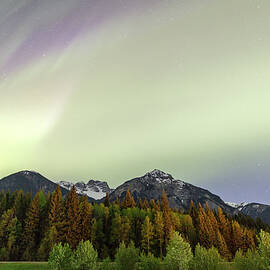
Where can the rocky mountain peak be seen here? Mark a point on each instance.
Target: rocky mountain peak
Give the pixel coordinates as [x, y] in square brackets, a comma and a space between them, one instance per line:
[179, 193]
[28, 173]
[158, 174]
[94, 188]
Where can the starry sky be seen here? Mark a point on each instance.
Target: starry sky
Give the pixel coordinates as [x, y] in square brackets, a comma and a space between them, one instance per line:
[112, 89]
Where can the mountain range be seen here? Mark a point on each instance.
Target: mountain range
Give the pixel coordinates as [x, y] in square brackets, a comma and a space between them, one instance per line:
[148, 186]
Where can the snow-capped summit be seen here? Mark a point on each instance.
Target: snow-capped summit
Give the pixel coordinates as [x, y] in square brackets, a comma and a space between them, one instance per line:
[239, 206]
[158, 174]
[93, 189]
[162, 178]
[65, 184]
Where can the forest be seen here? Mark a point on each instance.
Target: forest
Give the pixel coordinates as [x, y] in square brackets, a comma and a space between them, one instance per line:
[31, 226]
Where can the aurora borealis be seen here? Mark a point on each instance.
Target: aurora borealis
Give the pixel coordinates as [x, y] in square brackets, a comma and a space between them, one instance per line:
[112, 89]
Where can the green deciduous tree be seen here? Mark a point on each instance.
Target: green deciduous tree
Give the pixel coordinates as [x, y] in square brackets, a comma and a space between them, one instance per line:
[61, 257]
[85, 256]
[126, 257]
[205, 259]
[178, 254]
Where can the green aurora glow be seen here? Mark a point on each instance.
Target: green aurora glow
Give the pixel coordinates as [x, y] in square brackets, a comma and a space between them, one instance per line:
[183, 87]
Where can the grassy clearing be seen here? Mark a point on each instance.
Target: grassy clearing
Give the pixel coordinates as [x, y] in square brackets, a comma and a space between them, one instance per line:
[24, 266]
[225, 266]
[44, 266]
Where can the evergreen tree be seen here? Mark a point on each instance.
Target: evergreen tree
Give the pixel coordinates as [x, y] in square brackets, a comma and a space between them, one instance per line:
[107, 200]
[125, 230]
[57, 215]
[117, 201]
[213, 225]
[147, 234]
[85, 218]
[145, 205]
[72, 218]
[152, 204]
[166, 217]
[129, 200]
[115, 231]
[205, 236]
[9, 233]
[31, 230]
[222, 246]
[140, 203]
[192, 211]
[237, 237]
[47, 244]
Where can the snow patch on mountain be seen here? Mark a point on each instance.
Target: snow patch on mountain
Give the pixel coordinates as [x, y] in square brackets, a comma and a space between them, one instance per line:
[239, 206]
[93, 189]
[162, 178]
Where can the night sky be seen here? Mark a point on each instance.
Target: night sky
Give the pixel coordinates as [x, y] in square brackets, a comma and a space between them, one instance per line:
[112, 89]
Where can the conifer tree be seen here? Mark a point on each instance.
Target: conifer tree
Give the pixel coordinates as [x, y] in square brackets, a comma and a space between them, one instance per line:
[9, 233]
[117, 201]
[72, 218]
[205, 235]
[188, 230]
[222, 247]
[107, 200]
[213, 225]
[125, 229]
[176, 224]
[140, 203]
[152, 204]
[47, 244]
[129, 200]
[57, 216]
[248, 240]
[145, 205]
[168, 229]
[147, 234]
[115, 230]
[85, 218]
[237, 236]
[159, 231]
[157, 206]
[21, 204]
[192, 211]
[224, 228]
[94, 231]
[31, 230]
[55, 206]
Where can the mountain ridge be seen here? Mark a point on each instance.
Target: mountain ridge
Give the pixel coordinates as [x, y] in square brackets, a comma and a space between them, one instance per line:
[149, 186]
[179, 193]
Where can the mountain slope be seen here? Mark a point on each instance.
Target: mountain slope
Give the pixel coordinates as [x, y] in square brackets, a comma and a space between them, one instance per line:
[257, 210]
[28, 181]
[179, 193]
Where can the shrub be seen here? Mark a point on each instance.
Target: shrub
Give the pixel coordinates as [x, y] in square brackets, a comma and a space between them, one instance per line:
[3, 254]
[85, 256]
[264, 248]
[249, 261]
[126, 257]
[107, 264]
[205, 259]
[149, 262]
[178, 253]
[60, 257]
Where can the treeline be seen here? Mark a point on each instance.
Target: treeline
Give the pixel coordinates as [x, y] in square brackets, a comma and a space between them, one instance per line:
[30, 227]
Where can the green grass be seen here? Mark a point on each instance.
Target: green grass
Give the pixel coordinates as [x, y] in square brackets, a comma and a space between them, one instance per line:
[44, 266]
[24, 266]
